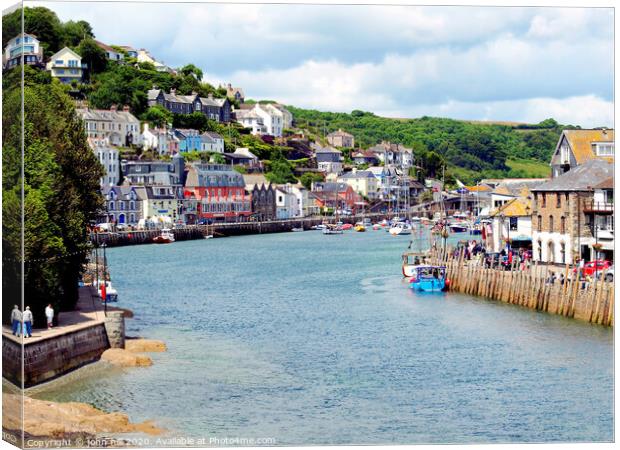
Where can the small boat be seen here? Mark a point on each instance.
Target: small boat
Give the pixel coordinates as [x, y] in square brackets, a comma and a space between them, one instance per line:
[400, 229]
[111, 295]
[318, 227]
[376, 227]
[384, 223]
[165, 237]
[458, 227]
[360, 228]
[346, 226]
[428, 278]
[332, 229]
[208, 236]
[297, 229]
[411, 261]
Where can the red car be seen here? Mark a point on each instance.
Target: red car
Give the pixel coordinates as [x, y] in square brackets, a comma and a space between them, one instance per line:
[594, 266]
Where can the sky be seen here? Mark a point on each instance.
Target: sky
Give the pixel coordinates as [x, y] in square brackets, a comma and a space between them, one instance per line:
[477, 63]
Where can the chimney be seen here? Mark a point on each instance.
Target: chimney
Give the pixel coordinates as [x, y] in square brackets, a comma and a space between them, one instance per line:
[229, 86]
[210, 96]
[126, 108]
[173, 91]
[194, 93]
[113, 108]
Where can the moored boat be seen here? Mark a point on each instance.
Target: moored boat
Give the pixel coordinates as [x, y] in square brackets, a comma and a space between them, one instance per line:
[458, 227]
[359, 227]
[332, 229]
[297, 229]
[346, 226]
[428, 278]
[400, 229]
[165, 237]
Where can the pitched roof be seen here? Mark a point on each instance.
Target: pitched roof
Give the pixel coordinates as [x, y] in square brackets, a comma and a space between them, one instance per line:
[106, 115]
[580, 142]
[515, 187]
[517, 207]
[339, 133]
[62, 50]
[358, 174]
[582, 178]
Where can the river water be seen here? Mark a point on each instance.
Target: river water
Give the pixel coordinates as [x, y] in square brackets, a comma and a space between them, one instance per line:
[312, 339]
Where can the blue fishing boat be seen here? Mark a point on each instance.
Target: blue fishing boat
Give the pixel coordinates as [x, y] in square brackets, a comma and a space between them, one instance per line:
[428, 278]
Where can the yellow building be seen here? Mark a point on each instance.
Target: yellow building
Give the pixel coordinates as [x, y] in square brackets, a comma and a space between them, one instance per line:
[363, 182]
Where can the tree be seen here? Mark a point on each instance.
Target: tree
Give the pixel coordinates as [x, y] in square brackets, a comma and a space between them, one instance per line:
[39, 21]
[195, 121]
[61, 193]
[74, 32]
[192, 70]
[310, 177]
[158, 116]
[280, 172]
[93, 55]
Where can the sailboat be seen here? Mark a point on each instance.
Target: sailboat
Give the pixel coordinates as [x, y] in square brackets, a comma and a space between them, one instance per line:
[332, 228]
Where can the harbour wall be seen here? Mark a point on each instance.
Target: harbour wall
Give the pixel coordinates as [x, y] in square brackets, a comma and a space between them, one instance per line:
[219, 230]
[49, 358]
[591, 302]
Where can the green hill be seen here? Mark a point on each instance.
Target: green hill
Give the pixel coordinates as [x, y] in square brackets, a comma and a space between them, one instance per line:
[470, 150]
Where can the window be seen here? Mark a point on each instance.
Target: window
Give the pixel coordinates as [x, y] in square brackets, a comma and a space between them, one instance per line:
[562, 224]
[558, 200]
[550, 223]
[72, 63]
[543, 201]
[604, 149]
[59, 62]
[566, 199]
[514, 223]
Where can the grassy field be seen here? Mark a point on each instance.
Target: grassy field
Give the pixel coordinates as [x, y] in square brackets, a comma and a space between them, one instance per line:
[530, 168]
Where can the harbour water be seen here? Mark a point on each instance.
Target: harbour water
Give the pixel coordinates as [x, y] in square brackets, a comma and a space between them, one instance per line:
[312, 339]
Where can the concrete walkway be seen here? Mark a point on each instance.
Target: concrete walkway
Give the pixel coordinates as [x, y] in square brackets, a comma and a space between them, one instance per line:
[88, 311]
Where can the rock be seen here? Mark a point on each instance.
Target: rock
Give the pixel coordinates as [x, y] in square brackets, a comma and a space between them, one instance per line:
[125, 358]
[144, 345]
[52, 419]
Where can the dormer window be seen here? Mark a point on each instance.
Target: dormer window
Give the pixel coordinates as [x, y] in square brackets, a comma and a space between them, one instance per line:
[604, 149]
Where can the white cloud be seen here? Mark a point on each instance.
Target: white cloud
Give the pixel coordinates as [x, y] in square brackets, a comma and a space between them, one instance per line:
[473, 62]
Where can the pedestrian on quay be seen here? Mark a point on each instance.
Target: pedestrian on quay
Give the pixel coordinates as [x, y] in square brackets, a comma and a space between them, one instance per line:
[49, 315]
[561, 279]
[16, 320]
[27, 322]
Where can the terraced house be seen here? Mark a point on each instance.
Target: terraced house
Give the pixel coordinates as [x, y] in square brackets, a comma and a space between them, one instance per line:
[216, 193]
[217, 109]
[572, 215]
[120, 128]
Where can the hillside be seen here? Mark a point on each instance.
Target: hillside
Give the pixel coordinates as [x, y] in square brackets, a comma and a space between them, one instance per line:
[471, 150]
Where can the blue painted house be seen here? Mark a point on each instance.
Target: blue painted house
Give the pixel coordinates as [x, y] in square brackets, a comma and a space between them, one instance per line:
[189, 140]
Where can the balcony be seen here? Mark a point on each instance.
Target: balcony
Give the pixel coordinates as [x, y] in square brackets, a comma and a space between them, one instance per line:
[592, 207]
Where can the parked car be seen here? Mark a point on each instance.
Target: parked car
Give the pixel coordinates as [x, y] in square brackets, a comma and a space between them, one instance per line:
[609, 275]
[495, 259]
[592, 267]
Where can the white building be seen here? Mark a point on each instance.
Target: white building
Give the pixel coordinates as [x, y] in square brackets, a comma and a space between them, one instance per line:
[108, 156]
[273, 118]
[512, 222]
[211, 142]
[145, 56]
[287, 116]
[120, 128]
[111, 53]
[66, 65]
[162, 140]
[23, 44]
[287, 206]
[250, 119]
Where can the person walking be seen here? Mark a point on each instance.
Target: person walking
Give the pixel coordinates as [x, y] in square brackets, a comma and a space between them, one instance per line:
[16, 320]
[27, 316]
[49, 315]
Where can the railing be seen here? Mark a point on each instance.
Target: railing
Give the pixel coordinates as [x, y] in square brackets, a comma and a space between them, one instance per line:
[598, 207]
